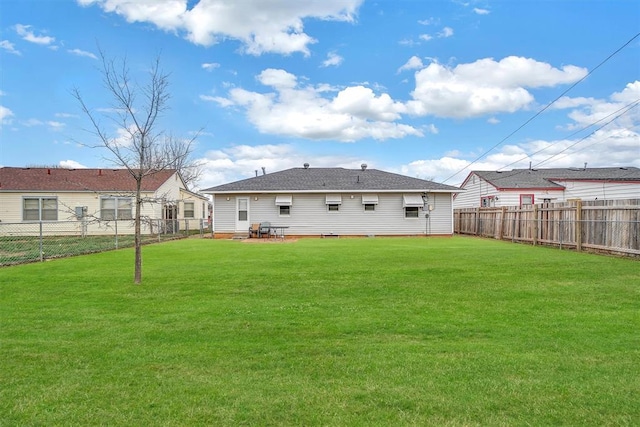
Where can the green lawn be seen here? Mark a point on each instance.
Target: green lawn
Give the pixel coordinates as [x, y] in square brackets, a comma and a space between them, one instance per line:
[331, 332]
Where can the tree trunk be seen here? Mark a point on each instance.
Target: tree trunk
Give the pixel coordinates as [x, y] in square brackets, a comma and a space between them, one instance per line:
[137, 278]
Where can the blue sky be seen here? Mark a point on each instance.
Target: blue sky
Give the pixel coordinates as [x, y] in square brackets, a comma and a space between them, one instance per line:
[431, 89]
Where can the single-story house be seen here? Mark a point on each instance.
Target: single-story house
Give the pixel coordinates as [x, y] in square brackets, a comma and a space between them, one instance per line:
[521, 187]
[334, 202]
[94, 198]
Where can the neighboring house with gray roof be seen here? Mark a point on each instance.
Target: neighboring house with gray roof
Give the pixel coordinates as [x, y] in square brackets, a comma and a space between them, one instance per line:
[520, 187]
[98, 196]
[334, 201]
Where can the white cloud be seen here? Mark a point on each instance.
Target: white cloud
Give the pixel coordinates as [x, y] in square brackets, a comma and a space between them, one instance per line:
[7, 46]
[484, 86]
[223, 102]
[414, 63]
[71, 164]
[361, 102]
[243, 161]
[479, 11]
[407, 42]
[333, 60]
[25, 32]
[65, 115]
[210, 66]
[429, 21]
[79, 52]
[446, 32]
[596, 112]
[493, 120]
[261, 26]
[55, 126]
[357, 112]
[432, 129]
[5, 115]
[32, 122]
[293, 109]
[616, 144]
[616, 147]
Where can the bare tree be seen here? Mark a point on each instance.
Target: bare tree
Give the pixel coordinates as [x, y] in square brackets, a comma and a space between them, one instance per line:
[135, 143]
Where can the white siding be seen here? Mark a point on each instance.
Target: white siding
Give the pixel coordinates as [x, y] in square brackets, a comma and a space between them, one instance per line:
[310, 216]
[224, 214]
[475, 189]
[170, 189]
[600, 190]
[11, 205]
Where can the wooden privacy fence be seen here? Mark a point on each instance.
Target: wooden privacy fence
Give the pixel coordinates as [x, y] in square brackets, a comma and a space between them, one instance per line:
[611, 226]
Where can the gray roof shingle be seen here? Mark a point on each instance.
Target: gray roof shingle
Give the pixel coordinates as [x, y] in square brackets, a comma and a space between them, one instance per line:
[543, 178]
[330, 180]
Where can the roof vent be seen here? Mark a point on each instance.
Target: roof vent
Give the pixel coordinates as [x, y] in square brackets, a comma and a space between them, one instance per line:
[306, 165]
[264, 170]
[363, 166]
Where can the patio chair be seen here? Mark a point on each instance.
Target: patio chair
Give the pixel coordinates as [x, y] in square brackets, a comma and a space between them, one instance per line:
[265, 229]
[254, 230]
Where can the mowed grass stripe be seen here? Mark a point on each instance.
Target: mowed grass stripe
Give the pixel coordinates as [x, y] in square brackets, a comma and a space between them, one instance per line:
[383, 331]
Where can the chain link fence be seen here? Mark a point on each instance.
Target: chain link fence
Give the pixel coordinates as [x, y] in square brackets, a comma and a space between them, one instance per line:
[40, 241]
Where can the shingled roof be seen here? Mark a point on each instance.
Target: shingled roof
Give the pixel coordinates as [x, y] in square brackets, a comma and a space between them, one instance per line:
[547, 178]
[330, 180]
[59, 179]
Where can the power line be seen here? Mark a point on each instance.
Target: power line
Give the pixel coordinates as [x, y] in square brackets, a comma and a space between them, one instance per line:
[545, 107]
[578, 131]
[627, 109]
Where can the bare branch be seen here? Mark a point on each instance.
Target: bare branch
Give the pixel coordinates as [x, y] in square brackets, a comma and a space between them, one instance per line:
[136, 144]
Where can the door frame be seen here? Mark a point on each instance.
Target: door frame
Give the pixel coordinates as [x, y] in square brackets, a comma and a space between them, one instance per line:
[240, 224]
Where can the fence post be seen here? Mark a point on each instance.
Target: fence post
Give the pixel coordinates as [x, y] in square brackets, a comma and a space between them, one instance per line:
[116, 222]
[578, 226]
[41, 250]
[535, 225]
[501, 230]
[477, 224]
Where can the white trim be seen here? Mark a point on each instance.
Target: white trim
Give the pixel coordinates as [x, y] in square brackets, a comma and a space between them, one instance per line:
[346, 190]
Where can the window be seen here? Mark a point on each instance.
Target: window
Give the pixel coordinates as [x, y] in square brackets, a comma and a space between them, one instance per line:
[285, 210]
[333, 202]
[39, 209]
[412, 204]
[115, 208]
[488, 201]
[284, 202]
[411, 212]
[526, 199]
[243, 209]
[189, 210]
[369, 201]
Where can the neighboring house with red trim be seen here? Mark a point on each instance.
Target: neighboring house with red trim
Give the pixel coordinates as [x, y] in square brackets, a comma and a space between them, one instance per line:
[521, 187]
[94, 197]
[333, 202]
